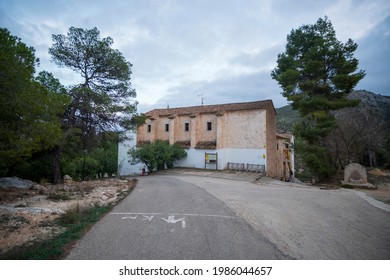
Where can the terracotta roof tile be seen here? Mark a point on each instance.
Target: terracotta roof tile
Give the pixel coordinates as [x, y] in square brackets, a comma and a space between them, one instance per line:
[211, 109]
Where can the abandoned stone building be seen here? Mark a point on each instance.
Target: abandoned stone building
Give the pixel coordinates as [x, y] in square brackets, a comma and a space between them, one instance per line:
[238, 136]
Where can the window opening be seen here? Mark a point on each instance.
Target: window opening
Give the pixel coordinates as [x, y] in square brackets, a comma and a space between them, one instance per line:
[209, 127]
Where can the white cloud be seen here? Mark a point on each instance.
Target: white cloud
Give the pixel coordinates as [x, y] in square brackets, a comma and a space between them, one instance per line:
[225, 49]
[355, 19]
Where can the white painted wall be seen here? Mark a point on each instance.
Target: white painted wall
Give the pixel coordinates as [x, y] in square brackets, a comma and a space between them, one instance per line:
[195, 157]
[125, 167]
[251, 156]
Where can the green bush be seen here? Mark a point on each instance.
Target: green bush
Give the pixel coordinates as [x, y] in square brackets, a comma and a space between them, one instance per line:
[57, 196]
[157, 154]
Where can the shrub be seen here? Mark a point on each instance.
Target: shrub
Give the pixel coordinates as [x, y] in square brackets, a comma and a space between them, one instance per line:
[157, 154]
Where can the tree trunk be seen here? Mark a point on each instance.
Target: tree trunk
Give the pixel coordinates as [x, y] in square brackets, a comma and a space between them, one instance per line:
[56, 165]
[372, 158]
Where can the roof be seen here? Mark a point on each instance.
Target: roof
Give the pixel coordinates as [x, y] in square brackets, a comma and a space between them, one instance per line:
[212, 109]
[284, 136]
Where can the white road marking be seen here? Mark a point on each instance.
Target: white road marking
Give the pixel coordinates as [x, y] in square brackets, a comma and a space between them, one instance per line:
[133, 218]
[171, 220]
[177, 214]
[147, 218]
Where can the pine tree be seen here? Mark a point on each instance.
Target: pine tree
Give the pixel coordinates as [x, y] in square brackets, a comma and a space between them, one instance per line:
[316, 73]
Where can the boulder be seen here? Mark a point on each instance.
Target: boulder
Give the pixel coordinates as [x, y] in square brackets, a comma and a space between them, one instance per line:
[67, 178]
[15, 182]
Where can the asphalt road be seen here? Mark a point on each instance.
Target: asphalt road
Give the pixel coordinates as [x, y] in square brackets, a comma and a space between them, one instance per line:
[167, 218]
[176, 216]
[306, 222]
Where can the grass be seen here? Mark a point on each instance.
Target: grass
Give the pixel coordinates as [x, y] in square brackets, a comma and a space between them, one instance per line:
[58, 196]
[75, 221]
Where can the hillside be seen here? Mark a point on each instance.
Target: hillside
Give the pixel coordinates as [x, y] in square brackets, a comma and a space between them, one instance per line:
[287, 117]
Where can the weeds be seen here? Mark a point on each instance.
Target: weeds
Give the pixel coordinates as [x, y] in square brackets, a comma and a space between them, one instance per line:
[58, 196]
[75, 221]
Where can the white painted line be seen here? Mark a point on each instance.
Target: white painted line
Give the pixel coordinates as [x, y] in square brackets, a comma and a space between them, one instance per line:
[373, 202]
[173, 214]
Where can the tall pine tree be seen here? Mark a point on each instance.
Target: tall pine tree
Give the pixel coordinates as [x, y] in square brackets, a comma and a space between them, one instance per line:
[316, 73]
[104, 100]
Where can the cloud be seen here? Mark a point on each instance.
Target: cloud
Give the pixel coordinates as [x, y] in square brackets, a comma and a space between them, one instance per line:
[224, 49]
[373, 53]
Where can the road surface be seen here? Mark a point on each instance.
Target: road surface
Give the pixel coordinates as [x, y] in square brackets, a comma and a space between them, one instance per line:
[183, 217]
[166, 218]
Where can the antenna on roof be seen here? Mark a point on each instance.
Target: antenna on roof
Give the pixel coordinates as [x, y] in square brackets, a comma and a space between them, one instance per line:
[201, 98]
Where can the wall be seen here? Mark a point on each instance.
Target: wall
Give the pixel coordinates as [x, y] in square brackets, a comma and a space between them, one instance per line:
[202, 134]
[195, 157]
[179, 132]
[125, 167]
[243, 129]
[271, 142]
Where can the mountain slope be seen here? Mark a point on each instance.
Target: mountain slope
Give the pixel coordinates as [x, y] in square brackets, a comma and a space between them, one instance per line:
[287, 117]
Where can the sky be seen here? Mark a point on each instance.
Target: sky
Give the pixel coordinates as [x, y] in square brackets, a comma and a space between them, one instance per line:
[219, 51]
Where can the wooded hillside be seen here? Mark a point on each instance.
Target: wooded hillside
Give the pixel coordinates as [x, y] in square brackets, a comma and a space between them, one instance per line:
[363, 134]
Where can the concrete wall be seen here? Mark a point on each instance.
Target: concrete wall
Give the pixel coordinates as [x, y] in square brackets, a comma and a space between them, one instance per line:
[125, 167]
[196, 157]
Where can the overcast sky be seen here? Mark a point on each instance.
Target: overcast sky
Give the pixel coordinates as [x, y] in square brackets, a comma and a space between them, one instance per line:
[223, 49]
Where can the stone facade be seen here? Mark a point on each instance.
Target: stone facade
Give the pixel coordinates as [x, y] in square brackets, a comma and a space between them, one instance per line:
[238, 132]
[355, 176]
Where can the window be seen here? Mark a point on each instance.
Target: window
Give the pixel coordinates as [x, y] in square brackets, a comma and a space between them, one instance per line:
[167, 127]
[209, 126]
[149, 128]
[187, 126]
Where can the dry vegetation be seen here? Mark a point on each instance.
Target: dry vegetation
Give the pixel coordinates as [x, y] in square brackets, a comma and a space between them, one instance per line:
[28, 217]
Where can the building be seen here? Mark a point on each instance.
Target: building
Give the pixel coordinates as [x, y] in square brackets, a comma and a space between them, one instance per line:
[284, 156]
[238, 135]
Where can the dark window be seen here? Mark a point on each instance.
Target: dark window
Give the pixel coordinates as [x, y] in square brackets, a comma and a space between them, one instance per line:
[166, 127]
[149, 128]
[209, 126]
[186, 126]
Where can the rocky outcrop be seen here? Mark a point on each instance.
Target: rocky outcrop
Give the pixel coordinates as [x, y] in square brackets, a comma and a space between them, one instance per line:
[15, 182]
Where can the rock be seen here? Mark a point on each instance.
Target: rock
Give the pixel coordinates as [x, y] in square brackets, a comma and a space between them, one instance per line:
[377, 172]
[67, 178]
[355, 176]
[15, 182]
[296, 181]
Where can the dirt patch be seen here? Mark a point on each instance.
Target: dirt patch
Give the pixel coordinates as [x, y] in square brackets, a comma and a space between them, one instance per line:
[378, 177]
[381, 179]
[29, 216]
